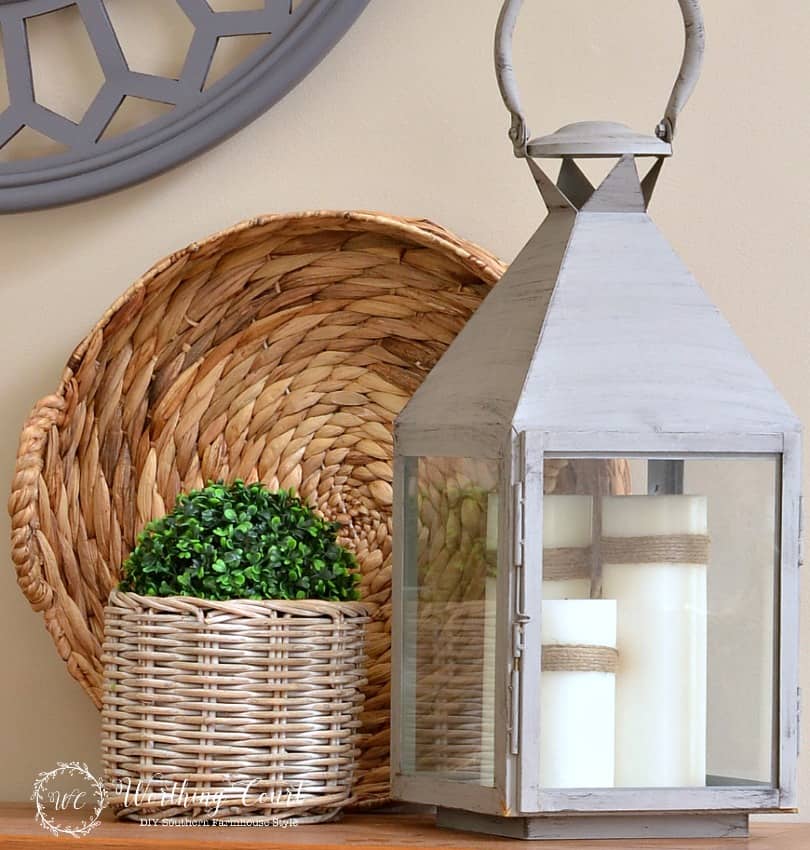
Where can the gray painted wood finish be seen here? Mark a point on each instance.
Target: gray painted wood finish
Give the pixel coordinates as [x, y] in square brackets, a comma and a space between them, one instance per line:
[789, 606]
[598, 326]
[595, 827]
[479, 379]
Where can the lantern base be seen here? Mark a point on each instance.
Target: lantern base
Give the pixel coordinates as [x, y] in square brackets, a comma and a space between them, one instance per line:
[619, 826]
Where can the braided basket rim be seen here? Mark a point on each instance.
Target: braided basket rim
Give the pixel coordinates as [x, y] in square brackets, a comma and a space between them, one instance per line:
[303, 608]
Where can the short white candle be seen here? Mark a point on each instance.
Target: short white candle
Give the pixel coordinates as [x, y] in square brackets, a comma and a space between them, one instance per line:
[577, 709]
[661, 678]
[567, 524]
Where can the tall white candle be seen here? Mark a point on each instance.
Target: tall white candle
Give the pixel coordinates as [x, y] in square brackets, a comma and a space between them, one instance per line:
[567, 524]
[661, 678]
[577, 708]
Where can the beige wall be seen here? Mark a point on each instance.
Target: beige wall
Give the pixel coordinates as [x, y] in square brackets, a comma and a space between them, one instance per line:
[404, 116]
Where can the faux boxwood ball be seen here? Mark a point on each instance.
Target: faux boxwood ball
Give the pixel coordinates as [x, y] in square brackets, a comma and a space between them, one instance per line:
[241, 541]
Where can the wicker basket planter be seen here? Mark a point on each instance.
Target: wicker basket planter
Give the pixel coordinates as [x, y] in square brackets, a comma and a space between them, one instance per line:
[226, 710]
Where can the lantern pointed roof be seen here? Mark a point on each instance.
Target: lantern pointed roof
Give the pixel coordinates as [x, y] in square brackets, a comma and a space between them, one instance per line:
[597, 326]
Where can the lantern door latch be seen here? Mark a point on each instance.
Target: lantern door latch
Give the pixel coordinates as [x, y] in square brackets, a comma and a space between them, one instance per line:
[518, 645]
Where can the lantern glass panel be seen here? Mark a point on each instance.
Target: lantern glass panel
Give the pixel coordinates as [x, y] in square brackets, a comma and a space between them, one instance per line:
[448, 681]
[677, 569]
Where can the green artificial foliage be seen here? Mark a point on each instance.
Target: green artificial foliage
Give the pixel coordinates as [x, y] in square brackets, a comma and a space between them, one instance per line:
[238, 541]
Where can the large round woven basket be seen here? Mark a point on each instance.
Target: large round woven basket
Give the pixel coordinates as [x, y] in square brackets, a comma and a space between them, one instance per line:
[280, 350]
[231, 710]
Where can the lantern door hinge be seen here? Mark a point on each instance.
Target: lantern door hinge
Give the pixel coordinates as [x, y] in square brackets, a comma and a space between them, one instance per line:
[518, 496]
[519, 618]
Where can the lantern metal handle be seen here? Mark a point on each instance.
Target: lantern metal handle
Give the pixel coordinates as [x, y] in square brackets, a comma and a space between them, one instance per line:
[684, 85]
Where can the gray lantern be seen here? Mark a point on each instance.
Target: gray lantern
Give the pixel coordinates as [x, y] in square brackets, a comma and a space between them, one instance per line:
[597, 531]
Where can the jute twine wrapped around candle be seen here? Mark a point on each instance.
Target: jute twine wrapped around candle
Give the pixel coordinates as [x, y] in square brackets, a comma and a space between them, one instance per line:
[580, 658]
[583, 477]
[660, 549]
[565, 563]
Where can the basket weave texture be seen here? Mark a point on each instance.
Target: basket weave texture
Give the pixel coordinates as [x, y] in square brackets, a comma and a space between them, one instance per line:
[231, 709]
[279, 350]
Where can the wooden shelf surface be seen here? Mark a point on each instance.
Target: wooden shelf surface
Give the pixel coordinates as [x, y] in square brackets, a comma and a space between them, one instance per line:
[373, 831]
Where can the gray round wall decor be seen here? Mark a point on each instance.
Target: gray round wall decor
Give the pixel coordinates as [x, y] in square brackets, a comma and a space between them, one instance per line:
[195, 112]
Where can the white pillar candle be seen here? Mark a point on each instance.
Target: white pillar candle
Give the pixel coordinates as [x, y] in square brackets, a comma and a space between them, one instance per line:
[567, 524]
[661, 678]
[577, 708]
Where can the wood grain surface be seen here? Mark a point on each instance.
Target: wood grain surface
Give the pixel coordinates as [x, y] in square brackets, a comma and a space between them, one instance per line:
[18, 829]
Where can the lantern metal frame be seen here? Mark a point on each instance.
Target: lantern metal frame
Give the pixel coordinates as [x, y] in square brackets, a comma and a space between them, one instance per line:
[515, 803]
[452, 416]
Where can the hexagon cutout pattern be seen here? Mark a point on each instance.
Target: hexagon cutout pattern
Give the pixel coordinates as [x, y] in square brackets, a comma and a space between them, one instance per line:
[132, 113]
[235, 5]
[28, 143]
[4, 97]
[154, 34]
[231, 51]
[65, 69]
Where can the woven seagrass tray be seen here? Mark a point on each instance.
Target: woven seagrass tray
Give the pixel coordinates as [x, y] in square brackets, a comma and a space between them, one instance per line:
[281, 349]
